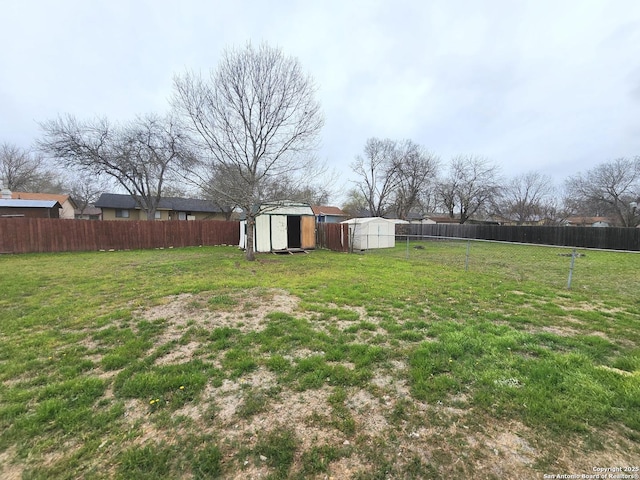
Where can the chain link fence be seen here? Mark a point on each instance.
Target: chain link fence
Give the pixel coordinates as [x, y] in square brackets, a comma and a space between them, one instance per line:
[577, 269]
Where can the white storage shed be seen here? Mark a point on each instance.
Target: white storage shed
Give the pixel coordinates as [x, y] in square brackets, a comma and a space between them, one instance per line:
[372, 232]
[282, 226]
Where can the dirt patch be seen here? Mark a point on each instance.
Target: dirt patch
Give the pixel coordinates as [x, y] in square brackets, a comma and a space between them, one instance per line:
[68, 449]
[348, 467]
[560, 331]
[135, 410]
[245, 312]
[179, 354]
[298, 409]
[8, 469]
[591, 307]
[226, 405]
[391, 382]
[367, 413]
[302, 353]
[260, 378]
[512, 448]
[617, 450]
[229, 396]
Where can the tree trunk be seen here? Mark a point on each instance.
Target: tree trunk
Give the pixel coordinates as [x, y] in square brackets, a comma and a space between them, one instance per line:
[248, 248]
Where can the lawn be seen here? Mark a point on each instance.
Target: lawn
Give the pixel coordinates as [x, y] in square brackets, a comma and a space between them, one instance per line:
[193, 363]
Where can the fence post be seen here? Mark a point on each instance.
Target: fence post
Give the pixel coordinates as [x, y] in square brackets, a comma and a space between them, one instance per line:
[466, 260]
[573, 262]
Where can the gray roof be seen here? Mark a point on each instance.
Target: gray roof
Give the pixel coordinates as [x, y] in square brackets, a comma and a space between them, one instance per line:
[8, 202]
[177, 204]
[88, 210]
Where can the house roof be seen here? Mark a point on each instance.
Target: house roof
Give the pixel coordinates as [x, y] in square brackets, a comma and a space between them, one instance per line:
[60, 198]
[327, 210]
[15, 203]
[588, 220]
[414, 215]
[127, 202]
[89, 210]
[442, 219]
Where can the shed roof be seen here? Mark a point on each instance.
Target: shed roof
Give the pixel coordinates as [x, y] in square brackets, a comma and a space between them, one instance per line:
[60, 198]
[284, 207]
[368, 220]
[11, 203]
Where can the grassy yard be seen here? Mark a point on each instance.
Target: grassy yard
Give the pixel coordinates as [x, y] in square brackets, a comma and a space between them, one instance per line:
[192, 363]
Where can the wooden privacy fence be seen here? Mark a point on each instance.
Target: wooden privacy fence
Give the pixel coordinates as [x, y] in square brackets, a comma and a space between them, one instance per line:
[610, 238]
[333, 236]
[26, 235]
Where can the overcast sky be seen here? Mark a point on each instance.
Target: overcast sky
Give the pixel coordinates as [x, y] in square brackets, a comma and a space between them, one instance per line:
[548, 85]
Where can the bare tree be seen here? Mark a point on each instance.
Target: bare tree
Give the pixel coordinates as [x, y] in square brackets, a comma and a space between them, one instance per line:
[316, 188]
[301, 191]
[355, 203]
[416, 171]
[140, 155]
[378, 175]
[470, 186]
[447, 189]
[213, 184]
[611, 188]
[393, 175]
[257, 119]
[272, 189]
[85, 189]
[528, 198]
[22, 170]
[428, 200]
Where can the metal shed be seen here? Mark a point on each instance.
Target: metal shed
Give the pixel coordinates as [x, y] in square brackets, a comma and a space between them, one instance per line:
[281, 227]
[29, 208]
[372, 232]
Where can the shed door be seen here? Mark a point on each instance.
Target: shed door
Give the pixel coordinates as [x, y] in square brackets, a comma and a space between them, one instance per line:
[278, 232]
[263, 234]
[294, 231]
[308, 227]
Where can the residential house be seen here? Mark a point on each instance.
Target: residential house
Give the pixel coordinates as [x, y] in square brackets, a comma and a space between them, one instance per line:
[90, 212]
[325, 214]
[68, 206]
[116, 206]
[588, 222]
[431, 219]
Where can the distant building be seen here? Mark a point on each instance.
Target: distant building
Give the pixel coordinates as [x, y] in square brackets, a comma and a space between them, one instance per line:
[116, 206]
[325, 214]
[431, 219]
[588, 222]
[10, 208]
[67, 204]
[90, 212]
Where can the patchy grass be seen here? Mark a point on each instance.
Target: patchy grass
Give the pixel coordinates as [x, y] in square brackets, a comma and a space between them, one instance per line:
[195, 364]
